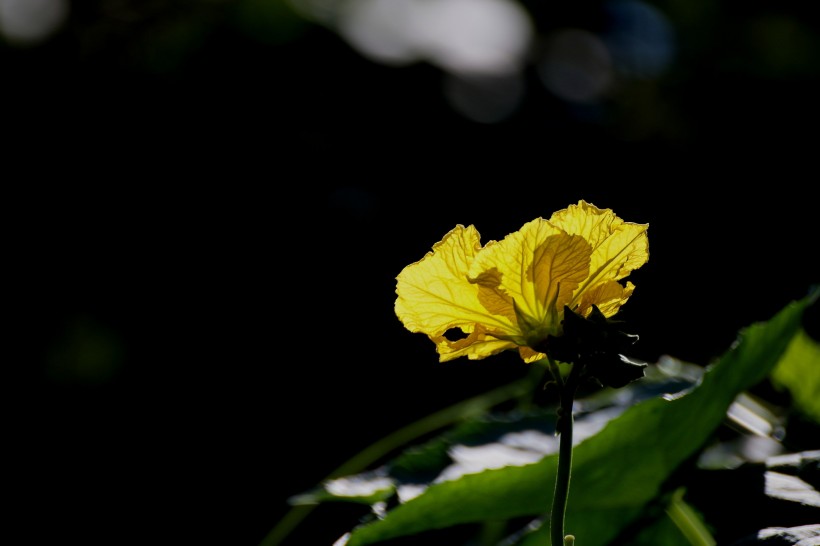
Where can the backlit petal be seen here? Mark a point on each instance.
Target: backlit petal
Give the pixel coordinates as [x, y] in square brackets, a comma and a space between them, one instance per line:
[475, 346]
[434, 296]
[608, 296]
[475, 301]
[618, 248]
[538, 268]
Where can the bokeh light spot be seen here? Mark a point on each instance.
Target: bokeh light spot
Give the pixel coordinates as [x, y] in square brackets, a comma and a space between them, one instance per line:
[576, 66]
[381, 31]
[29, 22]
[641, 39]
[473, 37]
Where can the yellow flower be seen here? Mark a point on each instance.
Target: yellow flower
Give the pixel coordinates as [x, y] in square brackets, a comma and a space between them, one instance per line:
[510, 294]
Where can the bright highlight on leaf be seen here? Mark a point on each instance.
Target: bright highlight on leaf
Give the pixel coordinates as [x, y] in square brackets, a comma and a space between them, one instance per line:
[510, 294]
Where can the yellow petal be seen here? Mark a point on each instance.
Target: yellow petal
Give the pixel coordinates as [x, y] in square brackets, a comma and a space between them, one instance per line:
[538, 268]
[529, 356]
[511, 294]
[475, 346]
[618, 248]
[434, 296]
[608, 296]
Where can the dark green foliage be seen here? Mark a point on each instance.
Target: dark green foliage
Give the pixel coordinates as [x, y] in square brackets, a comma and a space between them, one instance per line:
[635, 446]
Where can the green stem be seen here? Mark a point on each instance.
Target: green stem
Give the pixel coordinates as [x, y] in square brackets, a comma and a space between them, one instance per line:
[564, 429]
[688, 522]
[556, 374]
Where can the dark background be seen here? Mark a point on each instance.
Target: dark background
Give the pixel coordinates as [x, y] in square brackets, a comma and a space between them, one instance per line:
[205, 218]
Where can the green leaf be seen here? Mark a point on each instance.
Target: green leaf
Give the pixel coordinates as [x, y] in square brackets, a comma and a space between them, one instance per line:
[492, 440]
[799, 372]
[678, 524]
[615, 472]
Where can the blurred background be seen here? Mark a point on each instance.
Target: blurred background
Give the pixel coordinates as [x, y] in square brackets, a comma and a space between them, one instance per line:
[207, 203]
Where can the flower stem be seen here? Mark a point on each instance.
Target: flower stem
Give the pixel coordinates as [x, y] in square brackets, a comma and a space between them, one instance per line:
[564, 429]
